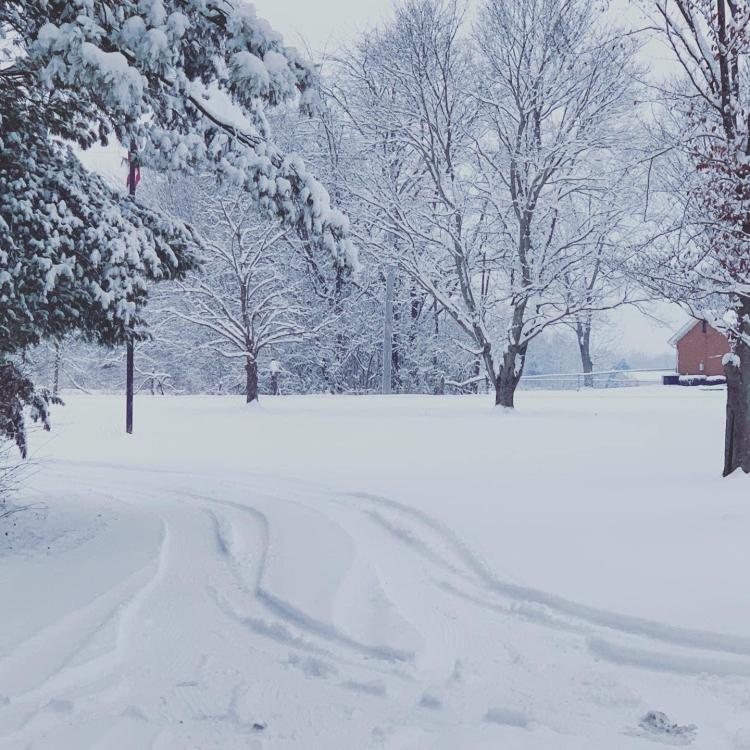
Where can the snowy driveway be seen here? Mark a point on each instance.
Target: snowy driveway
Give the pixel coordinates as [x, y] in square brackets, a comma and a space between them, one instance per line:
[350, 573]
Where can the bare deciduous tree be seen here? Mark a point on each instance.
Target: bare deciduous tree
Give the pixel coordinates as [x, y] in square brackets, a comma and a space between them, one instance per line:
[243, 296]
[481, 149]
[703, 260]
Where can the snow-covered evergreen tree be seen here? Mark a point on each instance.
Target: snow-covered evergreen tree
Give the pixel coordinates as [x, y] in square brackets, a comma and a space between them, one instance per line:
[185, 83]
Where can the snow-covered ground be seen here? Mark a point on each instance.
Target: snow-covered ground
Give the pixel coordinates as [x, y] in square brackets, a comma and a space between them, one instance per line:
[336, 573]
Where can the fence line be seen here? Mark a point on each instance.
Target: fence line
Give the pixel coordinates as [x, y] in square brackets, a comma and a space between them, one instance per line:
[600, 379]
[598, 372]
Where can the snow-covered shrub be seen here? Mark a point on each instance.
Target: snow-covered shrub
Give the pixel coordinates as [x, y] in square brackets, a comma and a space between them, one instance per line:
[8, 468]
[19, 396]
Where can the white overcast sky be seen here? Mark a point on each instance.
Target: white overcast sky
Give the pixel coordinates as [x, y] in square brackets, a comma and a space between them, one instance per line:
[321, 23]
[324, 23]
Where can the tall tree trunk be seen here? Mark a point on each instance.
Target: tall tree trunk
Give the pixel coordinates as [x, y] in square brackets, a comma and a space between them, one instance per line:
[415, 311]
[737, 369]
[438, 375]
[509, 376]
[251, 381]
[475, 373]
[514, 356]
[583, 332]
[396, 353]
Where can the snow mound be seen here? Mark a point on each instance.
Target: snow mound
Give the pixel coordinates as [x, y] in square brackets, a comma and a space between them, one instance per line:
[659, 724]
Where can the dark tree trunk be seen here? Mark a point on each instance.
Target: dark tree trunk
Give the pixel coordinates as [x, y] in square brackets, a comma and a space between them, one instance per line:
[509, 377]
[439, 388]
[397, 345]
[505, 389]
[251, 381]
[475, 373]
[415, 311]
[439, 377]
[583, 333]
[737, 369]
[514, 357]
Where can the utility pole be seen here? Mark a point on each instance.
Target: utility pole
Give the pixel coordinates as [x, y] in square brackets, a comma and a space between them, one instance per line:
[134, 177]
[388, 332]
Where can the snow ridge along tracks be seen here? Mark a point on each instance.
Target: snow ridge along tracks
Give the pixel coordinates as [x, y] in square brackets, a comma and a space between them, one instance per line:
[284, 610]
[440, 546]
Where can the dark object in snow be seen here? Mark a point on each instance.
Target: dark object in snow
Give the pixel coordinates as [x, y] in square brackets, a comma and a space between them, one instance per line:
[656, 722]
[691, 380]
[430, 701]
[258, 727]
[508, 717]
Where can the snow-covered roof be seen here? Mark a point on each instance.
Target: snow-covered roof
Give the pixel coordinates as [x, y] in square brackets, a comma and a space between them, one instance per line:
[683, 331]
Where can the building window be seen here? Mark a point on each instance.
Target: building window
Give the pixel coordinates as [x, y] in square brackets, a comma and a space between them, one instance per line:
[705, 326]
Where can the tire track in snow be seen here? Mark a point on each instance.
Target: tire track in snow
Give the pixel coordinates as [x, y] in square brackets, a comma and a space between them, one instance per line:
[532, 604]
[630, 625]
[283, 609]
[129, 660]
[679, 664]
[209, 528]
[290, 617]
[67, 677]
[82, 626]
[467, 566]
[233, 522]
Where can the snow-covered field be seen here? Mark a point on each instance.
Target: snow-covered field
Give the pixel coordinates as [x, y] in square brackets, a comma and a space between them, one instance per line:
[336, 573]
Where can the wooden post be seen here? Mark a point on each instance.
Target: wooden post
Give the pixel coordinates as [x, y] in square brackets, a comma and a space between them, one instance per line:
[130, 359]
[130, 366]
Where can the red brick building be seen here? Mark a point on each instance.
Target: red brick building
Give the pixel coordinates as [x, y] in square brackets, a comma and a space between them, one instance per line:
[700, 349]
